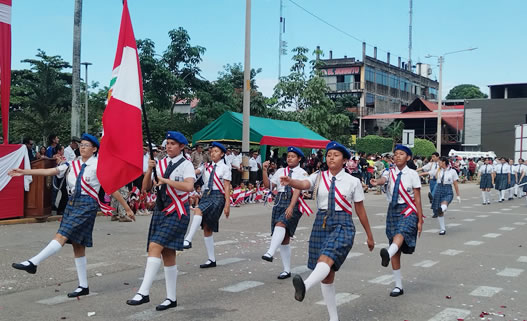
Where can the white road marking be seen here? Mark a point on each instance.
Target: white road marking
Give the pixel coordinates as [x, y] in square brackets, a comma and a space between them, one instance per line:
[426, 263]
[61, 299]
[302, 228]
[451, 252]
[486, 291]
[229, 261]
[381, 214]
[225, 242]
[506, 209]
[383, 279]
[484, 215]
[492, 235]
[469, 220]
[466, 207]
[434, 230]
[450, 314]
[454, 210]
[91, 266]
[300, 269]
[522, 259]
[342, 298]
[495, 212]
[474, 243]
[378, 227]
[514, 206]
[452, 224]
[519, 223]
[242, 286]
[510, 272]
[354, 254]
[381, 245]
[506, 228]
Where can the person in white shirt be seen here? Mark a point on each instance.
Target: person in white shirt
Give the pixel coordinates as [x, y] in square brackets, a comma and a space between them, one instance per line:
[522, 172]
[77, 222]
[175, 179]
[404, 220]
[287, 210]
[485, 180]
[502, 177]
[513, 186]
[431, 169]
[253, 168]
[69, 152]
[443, 196]
[214, 202]
[333, 230]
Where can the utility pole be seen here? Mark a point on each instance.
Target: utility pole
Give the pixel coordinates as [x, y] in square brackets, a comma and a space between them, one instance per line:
[410, 37]
[280, 49]
[86, 92]
[439, 104]
[76, 71]
[246, 91]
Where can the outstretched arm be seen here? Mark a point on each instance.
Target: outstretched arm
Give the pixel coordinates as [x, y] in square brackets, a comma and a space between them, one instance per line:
[39, 172]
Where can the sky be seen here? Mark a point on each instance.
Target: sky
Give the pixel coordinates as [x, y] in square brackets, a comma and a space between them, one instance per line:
[496, 28]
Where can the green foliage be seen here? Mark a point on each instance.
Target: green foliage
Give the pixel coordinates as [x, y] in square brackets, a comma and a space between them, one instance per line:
[395, 131]
[423, 147]
[466, 91]
[373, 144]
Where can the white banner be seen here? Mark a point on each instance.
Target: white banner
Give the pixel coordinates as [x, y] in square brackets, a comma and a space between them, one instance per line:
[13, 160]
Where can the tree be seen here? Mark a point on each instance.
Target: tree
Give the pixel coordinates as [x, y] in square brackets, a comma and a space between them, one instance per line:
[395, 131]
[76, 70]
[466, 91]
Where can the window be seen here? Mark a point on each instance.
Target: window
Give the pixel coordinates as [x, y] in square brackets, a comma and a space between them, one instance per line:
[370, 100]
[370, 75]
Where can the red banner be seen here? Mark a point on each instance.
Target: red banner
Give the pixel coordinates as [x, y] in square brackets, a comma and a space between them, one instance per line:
[5, 64]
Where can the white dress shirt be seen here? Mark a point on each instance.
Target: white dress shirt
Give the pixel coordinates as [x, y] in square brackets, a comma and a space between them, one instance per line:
[183, 171]
[502, 168]
[486, 169]
[69, 154]
[350, 187]
[410, 180]
[89, 175]
[222, 171]
[253, 164]
[431, 169]
[447, 177]
[298, 173]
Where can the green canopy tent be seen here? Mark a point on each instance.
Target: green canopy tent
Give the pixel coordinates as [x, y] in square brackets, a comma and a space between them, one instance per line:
[264, 131]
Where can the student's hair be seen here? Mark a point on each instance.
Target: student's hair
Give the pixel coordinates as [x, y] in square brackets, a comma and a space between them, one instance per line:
[51, 138]
[435, 154]
[26, 140]
[444, 159]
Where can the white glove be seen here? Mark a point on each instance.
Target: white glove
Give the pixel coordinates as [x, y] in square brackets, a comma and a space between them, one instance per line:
[458, 199]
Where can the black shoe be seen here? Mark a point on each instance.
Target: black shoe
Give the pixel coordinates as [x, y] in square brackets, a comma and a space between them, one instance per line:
[430, 197]
[209, 264]
[442, 232]
[84, 291]
[284, 275]
[267, 258]
[510, 198]
[31, 268]
[385, 257]
[396, 293]
[144, 299]
[163, 307]
[300, 287]
[189, 246]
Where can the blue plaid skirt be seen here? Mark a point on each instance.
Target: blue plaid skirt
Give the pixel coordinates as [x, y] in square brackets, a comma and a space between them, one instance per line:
[211, 205]
[433, 183]
[524, 180]
[443, 193]
[513, 181]
[486, 181]
[168, 230]
[78, 220]
[501, 182]
[396, 223]
[334, 241]
[279, 214]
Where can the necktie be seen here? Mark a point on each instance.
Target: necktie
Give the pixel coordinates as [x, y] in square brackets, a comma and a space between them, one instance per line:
[395, 196]
[486, 169]
[211, 178]
[163, 189]
[443, 178]
[168, 170]
[331, 197]
[78, 182]
[288, 188]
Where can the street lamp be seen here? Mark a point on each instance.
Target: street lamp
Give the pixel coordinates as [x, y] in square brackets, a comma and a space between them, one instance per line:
[86, 64]
[441, 59]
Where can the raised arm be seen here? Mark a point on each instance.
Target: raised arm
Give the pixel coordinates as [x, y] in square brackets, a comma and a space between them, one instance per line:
[265, 176]
[39, 172]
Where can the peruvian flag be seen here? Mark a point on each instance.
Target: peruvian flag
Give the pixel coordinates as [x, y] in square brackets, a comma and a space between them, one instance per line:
[121, 153]
[5, 64]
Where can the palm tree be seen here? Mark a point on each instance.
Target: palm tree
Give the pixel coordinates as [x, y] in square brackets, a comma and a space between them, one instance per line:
[76, 70]
[395, 131]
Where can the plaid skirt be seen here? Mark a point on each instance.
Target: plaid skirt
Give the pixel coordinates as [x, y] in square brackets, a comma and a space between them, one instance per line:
[211, 205]
[396, 223]
[523, 181]
[433, 183]
[168, 230]
[513, 181]
[443, 193]
[486, 181]
[279, 214]
[78, 220]
[334, 241]
[501, 182]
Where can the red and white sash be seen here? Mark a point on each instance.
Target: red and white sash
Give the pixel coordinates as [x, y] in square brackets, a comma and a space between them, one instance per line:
[177, 200]
[217, 181]
[106, 209]
[302, 205]
[340, 200]
[411, 208]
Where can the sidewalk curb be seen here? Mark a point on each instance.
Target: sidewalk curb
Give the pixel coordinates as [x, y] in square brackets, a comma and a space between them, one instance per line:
[29, 220]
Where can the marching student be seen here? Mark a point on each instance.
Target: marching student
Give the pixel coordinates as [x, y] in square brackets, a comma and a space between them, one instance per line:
[214, 201]
[175, 180]
[287, 210]
[404, 220]
[486, 180]
[502, 177]
[431, 170]
[333, 230]
[446, 177]
[78, 219]
[522, 171]
[513, 186]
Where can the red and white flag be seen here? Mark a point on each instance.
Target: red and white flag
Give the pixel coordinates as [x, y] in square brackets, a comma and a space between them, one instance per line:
[5, 64]
[121, 153]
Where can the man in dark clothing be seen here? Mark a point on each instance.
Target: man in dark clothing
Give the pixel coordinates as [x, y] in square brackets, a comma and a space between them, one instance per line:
[29, 144]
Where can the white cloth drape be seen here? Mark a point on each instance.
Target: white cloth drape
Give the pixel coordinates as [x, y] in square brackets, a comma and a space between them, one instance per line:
[13, 160]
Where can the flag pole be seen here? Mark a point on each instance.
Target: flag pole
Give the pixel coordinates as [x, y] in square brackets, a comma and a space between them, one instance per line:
[149, 139]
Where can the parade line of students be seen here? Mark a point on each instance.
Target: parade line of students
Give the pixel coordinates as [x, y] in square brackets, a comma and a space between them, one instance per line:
[337, 195]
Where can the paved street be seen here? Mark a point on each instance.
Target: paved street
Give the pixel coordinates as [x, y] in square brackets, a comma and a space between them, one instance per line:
[479, 266]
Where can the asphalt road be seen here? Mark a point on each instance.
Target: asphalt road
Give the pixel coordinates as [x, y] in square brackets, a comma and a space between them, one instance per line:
[477, 267]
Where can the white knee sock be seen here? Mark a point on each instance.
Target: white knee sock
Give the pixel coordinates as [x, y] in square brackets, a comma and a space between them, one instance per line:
[152, 266]
[328, 292]
[320, 272]
[484, 196]
[444, 207]
[502, 195]
[488, 197]
[80, 263]
[285, 253]
[196, 223]
[397, 278]
[52, 248]
[171, 273]
[276, 240]
[209, 244]
[441, 220]
[392, 250]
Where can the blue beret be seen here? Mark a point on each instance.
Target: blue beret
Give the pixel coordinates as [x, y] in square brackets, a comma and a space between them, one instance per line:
[177, 136]
[220, 146]
[334, 145]
[405, 149]
[91, 139]
[295, 150]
